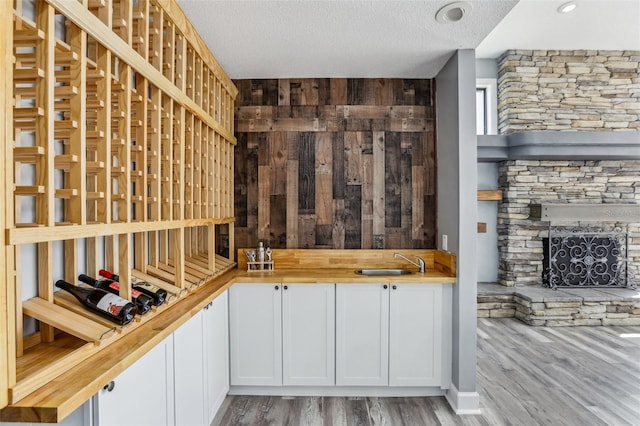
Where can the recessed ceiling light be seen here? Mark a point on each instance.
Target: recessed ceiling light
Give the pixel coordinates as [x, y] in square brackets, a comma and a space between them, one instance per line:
[567, 7]
[453, 12]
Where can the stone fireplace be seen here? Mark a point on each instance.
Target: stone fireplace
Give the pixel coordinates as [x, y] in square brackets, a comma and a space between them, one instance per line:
[569, 124]
[525, 183]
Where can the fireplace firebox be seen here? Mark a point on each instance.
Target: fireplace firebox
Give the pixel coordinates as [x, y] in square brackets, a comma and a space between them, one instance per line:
[579, 258]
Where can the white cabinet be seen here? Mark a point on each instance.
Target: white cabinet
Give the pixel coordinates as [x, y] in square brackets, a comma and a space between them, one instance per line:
[308, 334]
[189, 373]
[362, 333]
[216, 330]
[182, 381]
[255, 334]
[289, 325]
[415, 335]
[140, 395]
[391, 335]
[201, 366]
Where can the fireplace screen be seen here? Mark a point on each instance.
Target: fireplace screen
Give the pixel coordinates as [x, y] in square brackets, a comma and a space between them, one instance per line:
[585, 258]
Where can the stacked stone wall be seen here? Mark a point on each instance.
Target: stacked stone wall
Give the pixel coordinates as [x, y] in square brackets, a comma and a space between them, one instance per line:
[533, 182]
[592, 90]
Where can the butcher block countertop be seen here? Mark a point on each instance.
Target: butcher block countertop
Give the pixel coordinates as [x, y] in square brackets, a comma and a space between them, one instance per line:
[339, 266]
[63, 394]
[335, 275]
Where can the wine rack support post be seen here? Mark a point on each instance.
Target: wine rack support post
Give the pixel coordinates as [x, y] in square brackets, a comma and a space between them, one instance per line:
[7, 268]
[103, 125]
[124, 265]
[45, 131]
[177, 236]
[92, 256]
[45, 290]
[124, 131]
[76, 179]
[110, 252]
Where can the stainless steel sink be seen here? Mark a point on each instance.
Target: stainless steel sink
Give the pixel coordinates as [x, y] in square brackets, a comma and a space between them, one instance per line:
[383, 272]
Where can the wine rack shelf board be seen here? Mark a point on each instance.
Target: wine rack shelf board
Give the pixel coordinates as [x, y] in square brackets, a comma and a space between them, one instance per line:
[55, 400]
[29, 234]
[173, 292]
[65, 320]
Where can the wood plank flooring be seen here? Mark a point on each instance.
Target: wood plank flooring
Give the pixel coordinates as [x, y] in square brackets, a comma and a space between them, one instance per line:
[572, 376]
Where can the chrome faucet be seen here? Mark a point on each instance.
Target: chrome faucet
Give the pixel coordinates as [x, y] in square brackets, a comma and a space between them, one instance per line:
[419, 264]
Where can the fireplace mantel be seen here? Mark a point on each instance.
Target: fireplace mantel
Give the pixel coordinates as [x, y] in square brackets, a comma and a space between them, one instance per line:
[559, 145]
[554, 212]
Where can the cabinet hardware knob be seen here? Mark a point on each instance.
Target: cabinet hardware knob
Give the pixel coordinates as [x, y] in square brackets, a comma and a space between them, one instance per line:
[277, 288]
[394, 287]
[286, 287]
[109, 386]
[384, 286]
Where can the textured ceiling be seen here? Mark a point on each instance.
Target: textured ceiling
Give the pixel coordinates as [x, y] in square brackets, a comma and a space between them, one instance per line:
[396, 38]
[306, 38]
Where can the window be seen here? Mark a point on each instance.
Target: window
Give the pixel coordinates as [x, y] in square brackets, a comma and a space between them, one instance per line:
[486, 106]
[481, 111]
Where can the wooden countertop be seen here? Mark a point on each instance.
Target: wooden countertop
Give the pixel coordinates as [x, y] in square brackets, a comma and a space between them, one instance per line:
[65, 393]
[314, 276]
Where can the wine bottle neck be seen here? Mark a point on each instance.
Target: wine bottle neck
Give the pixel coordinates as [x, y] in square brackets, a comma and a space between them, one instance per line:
[64, 285]
[109, 274]
[87, 279]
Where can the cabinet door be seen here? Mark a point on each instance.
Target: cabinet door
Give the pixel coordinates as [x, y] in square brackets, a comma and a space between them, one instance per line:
[141, 394]
[255, 335]
[415, 336]
[189, 377]
[216, 329]
[308, 334]
[362, 334]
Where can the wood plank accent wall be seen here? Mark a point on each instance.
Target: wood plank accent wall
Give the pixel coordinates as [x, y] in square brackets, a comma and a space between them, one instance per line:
[335, 163]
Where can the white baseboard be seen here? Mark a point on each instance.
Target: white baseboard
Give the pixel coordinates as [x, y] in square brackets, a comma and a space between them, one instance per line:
[344, 391]
[463, 403]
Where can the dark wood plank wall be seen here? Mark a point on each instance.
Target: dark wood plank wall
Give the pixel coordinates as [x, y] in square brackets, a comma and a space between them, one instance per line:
[335, 163]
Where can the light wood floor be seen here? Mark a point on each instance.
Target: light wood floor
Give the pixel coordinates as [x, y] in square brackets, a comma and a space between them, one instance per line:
[574, 376]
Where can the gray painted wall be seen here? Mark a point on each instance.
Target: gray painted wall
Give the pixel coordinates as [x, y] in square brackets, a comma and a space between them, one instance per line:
[457, 205]
[488, 213]
[486, 68]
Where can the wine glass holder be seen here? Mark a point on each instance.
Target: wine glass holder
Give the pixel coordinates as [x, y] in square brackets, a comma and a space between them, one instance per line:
[121, 157]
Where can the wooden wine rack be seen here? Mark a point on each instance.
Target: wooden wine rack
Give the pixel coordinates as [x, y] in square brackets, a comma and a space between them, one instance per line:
[118, 124]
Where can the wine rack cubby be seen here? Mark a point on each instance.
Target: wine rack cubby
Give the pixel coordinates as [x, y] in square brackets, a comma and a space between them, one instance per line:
[118, 155]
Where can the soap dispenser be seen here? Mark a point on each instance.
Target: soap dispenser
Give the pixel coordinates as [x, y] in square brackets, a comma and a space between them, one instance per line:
[261, 254]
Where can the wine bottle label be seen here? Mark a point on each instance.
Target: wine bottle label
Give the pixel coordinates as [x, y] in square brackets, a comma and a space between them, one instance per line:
[138, 282]
[134, 293]
[111, 303]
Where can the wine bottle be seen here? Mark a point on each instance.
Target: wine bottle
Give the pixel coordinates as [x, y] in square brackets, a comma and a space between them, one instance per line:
[108, 305]
[158, 294]
[142, 301]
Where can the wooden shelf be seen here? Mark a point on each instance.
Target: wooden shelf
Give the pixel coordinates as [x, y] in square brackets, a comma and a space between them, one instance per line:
[66, 320]
[489, 195]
